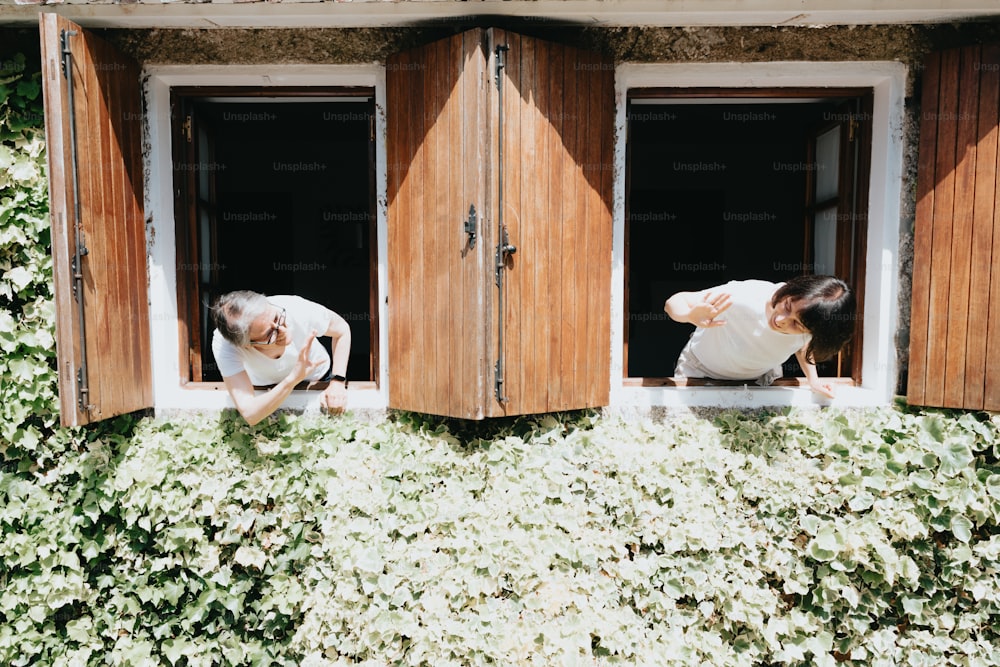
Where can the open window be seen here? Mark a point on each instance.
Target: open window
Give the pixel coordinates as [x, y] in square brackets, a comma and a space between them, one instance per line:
[275, 192]
[93, 125]
[734, 184]
[955, 313]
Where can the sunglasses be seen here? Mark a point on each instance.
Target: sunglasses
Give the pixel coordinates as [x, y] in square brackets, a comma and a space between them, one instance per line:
[272, 335]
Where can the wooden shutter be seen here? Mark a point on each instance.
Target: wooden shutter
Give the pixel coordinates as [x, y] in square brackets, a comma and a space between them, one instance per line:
[443, 122]
[955, 312]
[557, 175]
[435, 148]
[103, 325]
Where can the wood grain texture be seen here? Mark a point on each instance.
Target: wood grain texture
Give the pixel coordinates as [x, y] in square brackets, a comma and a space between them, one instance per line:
[443, 134]
[434, 148]
[955, 309]
[558, 132]
[108, 112]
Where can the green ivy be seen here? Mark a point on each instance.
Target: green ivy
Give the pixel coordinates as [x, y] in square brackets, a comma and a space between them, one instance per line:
[28, 398]
[798, 538]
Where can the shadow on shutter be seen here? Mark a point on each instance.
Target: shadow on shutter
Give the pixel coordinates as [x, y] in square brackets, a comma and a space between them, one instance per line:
[102, 317]
[955, 313]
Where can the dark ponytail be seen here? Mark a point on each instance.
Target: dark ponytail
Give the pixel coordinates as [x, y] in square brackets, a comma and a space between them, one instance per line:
[828, 312]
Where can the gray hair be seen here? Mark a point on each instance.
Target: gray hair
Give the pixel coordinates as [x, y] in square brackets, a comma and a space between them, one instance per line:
[234, 312]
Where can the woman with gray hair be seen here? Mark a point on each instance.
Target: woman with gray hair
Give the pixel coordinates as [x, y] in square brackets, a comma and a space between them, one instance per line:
[271, 341]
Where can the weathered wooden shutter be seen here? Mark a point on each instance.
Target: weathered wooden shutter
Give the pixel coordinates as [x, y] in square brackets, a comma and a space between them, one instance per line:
[553, 197]
[955, 311]
[102, 318]
[557, 176]
[435, 147]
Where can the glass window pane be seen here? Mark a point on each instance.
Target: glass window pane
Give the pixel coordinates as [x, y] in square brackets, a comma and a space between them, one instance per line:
[827, 164]
[825, 241]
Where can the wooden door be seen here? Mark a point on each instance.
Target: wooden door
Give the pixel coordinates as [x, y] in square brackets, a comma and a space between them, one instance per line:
[98, 226]
[436, 152]
[557, 156]
[955, 310]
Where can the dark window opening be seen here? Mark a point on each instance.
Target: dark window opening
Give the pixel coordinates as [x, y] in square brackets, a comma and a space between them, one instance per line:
[275, 194]
[733, 188]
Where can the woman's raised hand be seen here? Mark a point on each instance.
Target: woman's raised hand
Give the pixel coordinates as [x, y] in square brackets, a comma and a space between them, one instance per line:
[303, 366]
[704, 313]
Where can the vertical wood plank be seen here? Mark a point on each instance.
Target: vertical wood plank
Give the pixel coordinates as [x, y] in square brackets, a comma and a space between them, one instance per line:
[603, 98]
[57, 140]
[923, 233]
[438, 162]
[957, 310]
[572, 251]
[983, 240]
[991, 266]
[129, 119]
[402, 132]
[546, 217]
[944, 209]
[519, 375]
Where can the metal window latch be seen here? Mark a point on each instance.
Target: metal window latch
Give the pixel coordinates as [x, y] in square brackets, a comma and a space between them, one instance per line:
[504, 250]
[470, 226]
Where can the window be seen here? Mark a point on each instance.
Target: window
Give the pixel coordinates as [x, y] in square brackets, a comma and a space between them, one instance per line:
[275, 193]
[737, 184]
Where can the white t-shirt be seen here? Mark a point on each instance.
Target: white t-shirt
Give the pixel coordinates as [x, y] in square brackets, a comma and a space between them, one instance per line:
[745, 348]
[301, 317]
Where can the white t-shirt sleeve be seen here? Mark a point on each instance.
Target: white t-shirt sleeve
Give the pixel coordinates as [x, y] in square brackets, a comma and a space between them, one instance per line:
[227, 357]
[308, 315]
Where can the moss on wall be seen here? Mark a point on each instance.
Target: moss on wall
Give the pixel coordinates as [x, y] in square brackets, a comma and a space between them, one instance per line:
[278, 45]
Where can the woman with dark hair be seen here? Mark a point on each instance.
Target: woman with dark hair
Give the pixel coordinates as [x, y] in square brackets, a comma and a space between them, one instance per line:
[811, 317]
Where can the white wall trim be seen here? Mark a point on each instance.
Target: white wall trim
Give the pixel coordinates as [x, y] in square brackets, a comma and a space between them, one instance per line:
[879, 371]
[168, 394]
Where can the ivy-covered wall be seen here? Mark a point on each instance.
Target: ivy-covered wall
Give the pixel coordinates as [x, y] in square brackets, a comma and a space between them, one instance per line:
[28, 399]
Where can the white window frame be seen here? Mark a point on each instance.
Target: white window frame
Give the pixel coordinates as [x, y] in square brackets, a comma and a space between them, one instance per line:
[879, 369]
[168, 393]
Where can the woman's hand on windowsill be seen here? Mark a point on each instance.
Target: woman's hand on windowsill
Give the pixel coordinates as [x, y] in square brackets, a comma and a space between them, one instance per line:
[334, 398]
[822, 388]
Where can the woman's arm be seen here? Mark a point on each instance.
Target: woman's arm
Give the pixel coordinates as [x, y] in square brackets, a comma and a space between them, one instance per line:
[809, 369]
[334, 398]
[255, 407]
[698, 308]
